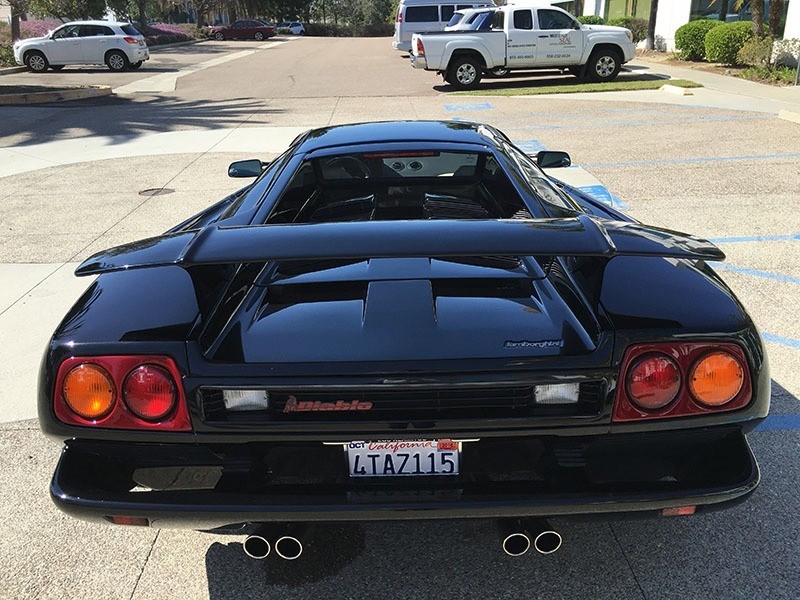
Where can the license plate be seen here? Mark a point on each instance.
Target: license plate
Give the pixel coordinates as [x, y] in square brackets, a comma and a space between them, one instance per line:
[396, 458]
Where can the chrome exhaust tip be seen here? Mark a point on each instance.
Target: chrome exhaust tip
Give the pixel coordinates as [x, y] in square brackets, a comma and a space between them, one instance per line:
[547, 542]
[288, 547]
[516, 544]
[256, 546]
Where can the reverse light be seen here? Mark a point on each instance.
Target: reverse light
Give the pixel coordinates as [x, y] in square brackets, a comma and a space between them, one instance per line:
[679, 379]
[149, 392]
[89, 391]
[715, 379]
[557, 393]
[242, 400]
[653, 381]
[121, 392]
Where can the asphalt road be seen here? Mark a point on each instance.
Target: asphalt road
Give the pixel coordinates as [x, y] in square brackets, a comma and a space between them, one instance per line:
[73, 173]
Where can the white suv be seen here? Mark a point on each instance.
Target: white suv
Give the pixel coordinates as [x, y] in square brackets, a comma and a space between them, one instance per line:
[118, 45]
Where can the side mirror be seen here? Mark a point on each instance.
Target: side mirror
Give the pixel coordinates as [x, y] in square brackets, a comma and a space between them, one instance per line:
[553, 159]
[246, 168]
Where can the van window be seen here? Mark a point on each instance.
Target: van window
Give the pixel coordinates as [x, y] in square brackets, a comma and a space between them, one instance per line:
[523, 19]
[447, 11]
[422, 14]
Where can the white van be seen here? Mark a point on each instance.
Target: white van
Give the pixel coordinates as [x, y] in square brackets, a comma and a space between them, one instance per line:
[426, 16]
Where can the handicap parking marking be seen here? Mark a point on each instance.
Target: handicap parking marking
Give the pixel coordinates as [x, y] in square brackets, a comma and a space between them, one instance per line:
[781, 339]
[530, 146]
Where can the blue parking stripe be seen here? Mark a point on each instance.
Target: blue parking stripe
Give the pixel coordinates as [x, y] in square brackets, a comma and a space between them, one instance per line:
[756, 238]
[477, 106]
[780, 422]
[757, 273]
[780, 339]
[702, 159]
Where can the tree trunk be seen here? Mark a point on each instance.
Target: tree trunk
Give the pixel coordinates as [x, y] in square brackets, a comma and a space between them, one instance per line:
[723, 10]
[650, 44]
[757, 8]
[14, 25]
[775, 16]
[579, 8]
[142, 5]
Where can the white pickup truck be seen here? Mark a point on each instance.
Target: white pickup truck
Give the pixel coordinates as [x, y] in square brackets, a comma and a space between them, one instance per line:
[525, 37]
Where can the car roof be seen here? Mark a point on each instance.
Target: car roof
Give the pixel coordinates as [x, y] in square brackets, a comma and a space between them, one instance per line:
[106, 23]
[400, 131]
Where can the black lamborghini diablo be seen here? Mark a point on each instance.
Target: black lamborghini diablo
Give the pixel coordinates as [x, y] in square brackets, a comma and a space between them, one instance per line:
[403, 320]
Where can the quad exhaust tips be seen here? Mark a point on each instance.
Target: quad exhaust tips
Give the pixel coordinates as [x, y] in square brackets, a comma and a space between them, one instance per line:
[286, 542]
[518, 536]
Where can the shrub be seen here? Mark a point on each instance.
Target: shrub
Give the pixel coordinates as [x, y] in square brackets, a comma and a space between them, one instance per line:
[756, 52]
[592, 20]
[782, 74]
[638, 27]
[331, 30]
[159, 34]
[7, 56]
[690, 39]
[36, 27]
[724, 42]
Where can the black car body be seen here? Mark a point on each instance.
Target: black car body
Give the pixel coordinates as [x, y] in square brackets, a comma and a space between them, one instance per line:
[403, 281]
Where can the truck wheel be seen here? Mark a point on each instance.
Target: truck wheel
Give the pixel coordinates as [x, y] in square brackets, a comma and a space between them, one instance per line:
[604, 65]
[36, 61]
[464, 73]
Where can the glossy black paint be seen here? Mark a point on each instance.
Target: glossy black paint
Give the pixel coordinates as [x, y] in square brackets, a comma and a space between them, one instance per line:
[392, 305]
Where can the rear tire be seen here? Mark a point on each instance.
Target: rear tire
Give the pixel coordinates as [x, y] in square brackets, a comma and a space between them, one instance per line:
[117, 61]
[56, 67]
[36, 61]
[604, 65]
[464, 73]
[259, 36]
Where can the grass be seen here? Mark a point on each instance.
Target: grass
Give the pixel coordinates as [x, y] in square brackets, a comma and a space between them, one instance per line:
[607, 86]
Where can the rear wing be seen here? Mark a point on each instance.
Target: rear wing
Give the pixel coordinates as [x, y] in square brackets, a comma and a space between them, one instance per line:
[574, 236]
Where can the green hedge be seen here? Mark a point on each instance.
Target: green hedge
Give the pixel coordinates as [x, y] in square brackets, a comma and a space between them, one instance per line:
[592, 20]
[690, 39]
[638, 27]
[724, 42]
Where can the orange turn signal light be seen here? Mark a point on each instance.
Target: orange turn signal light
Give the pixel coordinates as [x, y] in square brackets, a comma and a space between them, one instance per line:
[89, 391]
[716, 379]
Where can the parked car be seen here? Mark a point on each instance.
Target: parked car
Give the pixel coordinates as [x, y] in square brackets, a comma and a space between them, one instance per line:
[403, 320]
[525, 37]
[117, 45]
[293, 27]
[244, 29]
[471, 19]
[420, 16]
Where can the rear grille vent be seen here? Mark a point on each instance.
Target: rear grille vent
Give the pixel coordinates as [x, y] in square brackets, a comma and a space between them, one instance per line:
[400, 404]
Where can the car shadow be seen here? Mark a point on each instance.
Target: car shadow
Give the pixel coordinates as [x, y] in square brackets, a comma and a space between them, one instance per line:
[538, 79]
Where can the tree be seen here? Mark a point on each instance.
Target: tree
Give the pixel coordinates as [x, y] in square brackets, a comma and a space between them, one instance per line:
[650, 43]
[757, 10]
[722, 15]
[71, 10]
[775, 17]
[18, 9]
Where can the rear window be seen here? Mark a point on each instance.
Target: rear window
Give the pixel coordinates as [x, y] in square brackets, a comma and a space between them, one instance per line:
[422, 14]
[130, 30]
[383, 165]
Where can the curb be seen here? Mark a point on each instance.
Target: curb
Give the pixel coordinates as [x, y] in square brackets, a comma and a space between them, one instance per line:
[676, 90]
[788, 115]
[176, 44]
[94, 91]
[9, 70]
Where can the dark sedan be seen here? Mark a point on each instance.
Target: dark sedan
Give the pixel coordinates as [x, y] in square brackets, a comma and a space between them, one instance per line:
[404, 320]
[245, 29]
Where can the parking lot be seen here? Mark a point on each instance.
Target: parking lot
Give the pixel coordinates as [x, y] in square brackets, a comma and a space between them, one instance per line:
[71, 177]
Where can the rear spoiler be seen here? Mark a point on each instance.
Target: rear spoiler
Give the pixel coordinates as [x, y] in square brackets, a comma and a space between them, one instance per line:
[573, 236]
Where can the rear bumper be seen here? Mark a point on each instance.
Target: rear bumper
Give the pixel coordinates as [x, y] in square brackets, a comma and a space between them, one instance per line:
[419, 62]
[209, 487]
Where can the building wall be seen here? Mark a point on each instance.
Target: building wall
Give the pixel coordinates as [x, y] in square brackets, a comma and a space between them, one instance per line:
[5, 13]
[792, 30]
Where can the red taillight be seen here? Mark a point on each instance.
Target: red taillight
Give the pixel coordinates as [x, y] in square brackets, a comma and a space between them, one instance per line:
[653, 381]
[131, 40]
[151, 397]
[400, 15]
[149, 392]
[666, 380]
[141, 521]
[420, 47]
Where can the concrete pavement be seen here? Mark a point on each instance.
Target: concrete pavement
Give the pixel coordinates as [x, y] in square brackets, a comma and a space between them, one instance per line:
[72, 177]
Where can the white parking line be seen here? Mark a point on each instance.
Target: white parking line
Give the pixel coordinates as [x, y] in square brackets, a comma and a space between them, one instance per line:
[166, 82]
